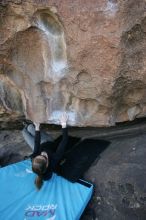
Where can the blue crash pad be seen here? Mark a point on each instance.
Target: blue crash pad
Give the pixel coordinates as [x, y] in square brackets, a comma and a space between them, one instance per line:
[58, 199]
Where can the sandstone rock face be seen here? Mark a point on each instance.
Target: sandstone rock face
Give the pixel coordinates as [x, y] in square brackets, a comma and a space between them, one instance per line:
[84, 57]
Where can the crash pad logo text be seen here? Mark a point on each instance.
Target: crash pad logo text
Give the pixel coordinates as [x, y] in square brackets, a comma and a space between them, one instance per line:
[41, 210]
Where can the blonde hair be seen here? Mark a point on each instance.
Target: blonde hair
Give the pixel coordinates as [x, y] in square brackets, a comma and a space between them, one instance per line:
[39, 166]
[38, 182]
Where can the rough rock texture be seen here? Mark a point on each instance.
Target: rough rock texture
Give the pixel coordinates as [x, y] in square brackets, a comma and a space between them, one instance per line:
[85, 57]
[119, 177]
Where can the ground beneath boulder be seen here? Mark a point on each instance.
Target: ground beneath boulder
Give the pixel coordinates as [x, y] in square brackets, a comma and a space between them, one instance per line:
[119, 175]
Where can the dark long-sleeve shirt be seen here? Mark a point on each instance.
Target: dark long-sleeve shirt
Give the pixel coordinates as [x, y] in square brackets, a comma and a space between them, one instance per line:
[48, 147]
